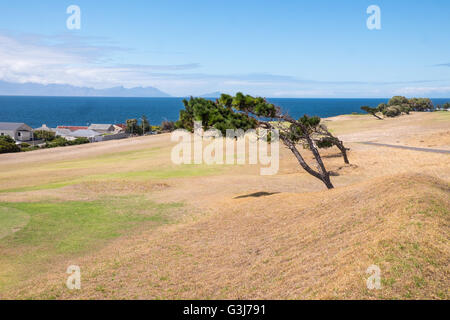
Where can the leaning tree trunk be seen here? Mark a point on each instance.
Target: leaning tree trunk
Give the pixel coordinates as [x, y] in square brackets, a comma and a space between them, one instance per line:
[343, 149]
[323, 174]
[323, 130]
[375, 115]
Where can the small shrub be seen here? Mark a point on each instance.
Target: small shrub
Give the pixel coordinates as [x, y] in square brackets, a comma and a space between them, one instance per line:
[44, 135]
[381, 107]
[325, 143]
[393, 111]
[398, 101]
[421, 104]
[24, 145]
[57, 142]
[168, 126]
[78, 141]
[8, 145]
[405, 108]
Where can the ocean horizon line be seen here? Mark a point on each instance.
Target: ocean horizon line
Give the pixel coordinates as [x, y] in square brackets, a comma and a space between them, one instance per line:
[200, 96]
[79, 111]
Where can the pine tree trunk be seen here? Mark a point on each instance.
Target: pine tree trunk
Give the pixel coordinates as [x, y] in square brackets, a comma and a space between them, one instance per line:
[326, 180]
[343, 151]
[323, 175]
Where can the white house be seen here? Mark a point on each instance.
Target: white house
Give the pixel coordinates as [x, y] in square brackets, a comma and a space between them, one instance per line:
[65, 133]
[92, 135]
[102, 128]
[20, 132]
[120, 128]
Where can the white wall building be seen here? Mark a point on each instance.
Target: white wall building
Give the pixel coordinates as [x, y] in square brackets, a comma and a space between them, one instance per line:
[102, 128]
[20, 132]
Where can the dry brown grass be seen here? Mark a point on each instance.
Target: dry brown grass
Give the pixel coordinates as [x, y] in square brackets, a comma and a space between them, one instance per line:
[390, 208]
[286, 246]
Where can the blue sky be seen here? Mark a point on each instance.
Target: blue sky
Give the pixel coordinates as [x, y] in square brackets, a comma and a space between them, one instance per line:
[270, 48]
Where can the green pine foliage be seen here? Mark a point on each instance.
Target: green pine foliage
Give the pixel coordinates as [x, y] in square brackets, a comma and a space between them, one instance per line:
[399, 105]
[221, 115]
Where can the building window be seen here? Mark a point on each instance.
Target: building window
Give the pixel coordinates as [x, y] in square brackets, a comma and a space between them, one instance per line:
[19, 134]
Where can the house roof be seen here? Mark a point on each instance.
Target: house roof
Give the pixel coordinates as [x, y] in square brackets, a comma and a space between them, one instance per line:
[72, 128]
[85, 133]
[14, 126]
[104, 127]
[63, 132]
[45, 128]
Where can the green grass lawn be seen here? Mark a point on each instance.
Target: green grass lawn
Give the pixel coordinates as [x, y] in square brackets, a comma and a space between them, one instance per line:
[442, 115]
[11, 220]
[115, 158]
[182, 171]
[35, 234]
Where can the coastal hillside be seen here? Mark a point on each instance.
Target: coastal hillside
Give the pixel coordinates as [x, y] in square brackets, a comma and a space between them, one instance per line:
[64, 90]
[140, 227]
[287, 246]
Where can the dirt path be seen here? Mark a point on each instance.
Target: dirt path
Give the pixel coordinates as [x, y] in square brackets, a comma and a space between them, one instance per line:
[405, 147]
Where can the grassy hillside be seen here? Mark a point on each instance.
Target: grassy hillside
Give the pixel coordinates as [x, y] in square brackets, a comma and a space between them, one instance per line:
[140, 227]
[285, 246]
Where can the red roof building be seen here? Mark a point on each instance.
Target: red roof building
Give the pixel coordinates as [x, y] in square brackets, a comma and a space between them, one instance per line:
[72, 128]
[120, 125]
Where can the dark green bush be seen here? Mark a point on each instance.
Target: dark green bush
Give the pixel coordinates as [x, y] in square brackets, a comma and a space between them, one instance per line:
[325, 143]
[62, 142]
[8, 145]
[44, 135]
[57, 142]
[381, 107]
[78, 141]
[405, 108]
[393, 111]
[398, 101]
[421, 104]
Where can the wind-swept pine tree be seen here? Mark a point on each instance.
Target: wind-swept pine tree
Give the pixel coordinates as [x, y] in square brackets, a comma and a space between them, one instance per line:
[246, 112]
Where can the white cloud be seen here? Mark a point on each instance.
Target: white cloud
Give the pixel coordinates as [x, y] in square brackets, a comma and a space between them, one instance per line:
[305, 93]
[68, 60]
[83, 61]
[425, 91]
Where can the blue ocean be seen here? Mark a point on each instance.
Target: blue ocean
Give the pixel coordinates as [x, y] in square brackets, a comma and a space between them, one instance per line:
[54, 111]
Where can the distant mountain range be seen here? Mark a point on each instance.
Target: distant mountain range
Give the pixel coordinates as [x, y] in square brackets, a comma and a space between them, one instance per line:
[211, 95]
[63, 90]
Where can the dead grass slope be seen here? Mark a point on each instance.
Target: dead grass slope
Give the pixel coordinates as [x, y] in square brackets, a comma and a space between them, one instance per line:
[285, 246]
